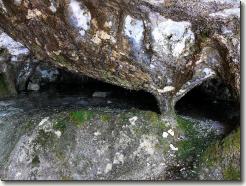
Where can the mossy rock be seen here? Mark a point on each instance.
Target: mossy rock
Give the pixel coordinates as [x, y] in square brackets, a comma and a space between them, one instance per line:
[60, 125]
[80, 117]
[194, 143]
[105, 118]
[224, 155]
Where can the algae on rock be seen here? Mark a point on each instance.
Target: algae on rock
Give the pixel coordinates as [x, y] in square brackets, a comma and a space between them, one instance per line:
[222, 159]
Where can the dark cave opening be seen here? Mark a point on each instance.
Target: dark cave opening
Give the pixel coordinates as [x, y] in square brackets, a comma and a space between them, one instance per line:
[213, 100]
[99, 93]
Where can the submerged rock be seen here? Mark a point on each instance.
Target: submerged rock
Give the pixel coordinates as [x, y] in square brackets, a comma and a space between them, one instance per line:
[101, 94]
[33, 87]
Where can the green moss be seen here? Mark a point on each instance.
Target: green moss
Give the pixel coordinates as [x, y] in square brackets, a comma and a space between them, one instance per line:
[105, 118]
[152, 117]
[66, 178]
[211, 155]
[60, 59]
[186, 126]
[228, 148]
[232, 173]
[80, 117]
[194, 143]
[155, 120]
[205, 34]
[232, 142]
[188, 146]
[224, 154]
[37, 49]
[163, 145]
[60, 125]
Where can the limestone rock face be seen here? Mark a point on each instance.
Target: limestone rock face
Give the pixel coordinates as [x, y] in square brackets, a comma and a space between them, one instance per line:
[163, 47]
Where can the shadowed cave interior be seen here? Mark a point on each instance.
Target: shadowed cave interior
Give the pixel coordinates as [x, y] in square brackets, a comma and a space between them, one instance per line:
[212, 99]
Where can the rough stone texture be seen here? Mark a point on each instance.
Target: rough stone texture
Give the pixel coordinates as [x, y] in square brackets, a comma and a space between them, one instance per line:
[221, 161]
[57, 143]
[163, 47]
[20, 70]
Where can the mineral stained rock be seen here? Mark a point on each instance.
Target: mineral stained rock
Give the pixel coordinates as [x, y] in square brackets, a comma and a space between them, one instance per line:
[163, 47]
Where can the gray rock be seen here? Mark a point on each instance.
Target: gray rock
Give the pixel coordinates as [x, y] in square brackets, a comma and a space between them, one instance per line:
[103, 144]
[101, 94]
[33, 86]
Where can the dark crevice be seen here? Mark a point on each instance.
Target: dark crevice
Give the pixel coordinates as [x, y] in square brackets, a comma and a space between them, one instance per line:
[72, 84]
[213, 100]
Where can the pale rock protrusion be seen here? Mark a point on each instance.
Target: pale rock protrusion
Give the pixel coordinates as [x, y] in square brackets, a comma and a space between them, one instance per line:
[164, 134]
[43, 121]
[108, 168]
[227, 13]
[58, 133]
[155, 2]
[53, 7]
[97, 133]
[118, 158]
[2, 6]
[133, 120]
[171, 132]
[171, 37]
[80, 17]
[17, 2]
[134, 29]
[166, 89]
[32, 14]
[14, 48]
[173, 147]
